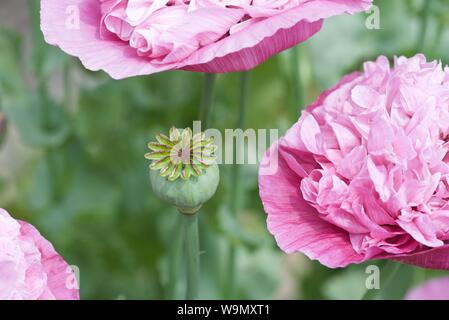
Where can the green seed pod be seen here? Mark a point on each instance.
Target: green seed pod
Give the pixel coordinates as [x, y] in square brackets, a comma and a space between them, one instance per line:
[183, 171]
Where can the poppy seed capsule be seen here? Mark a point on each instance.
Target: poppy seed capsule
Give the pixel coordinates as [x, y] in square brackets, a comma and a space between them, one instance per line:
[183, 171]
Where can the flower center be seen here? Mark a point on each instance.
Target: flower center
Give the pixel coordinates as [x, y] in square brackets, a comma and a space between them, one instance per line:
[181, 154]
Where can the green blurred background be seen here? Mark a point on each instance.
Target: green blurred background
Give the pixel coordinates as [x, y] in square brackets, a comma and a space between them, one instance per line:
[72, 161]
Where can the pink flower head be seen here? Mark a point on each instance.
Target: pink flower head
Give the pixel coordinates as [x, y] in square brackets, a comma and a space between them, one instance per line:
[364, 172]
[435, 289]
[30, 268]
[137, 37]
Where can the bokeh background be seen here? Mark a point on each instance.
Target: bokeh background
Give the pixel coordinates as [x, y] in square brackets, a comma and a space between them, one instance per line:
[72, 159]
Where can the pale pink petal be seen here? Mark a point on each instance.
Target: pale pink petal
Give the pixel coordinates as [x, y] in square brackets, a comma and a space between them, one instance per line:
[61, 282]
[30, 268]
[364, 96]
[378, 175]
[114, 56]
[420, 232]
[435, 289]
[296, 225]
[309, 132]
[347, 139]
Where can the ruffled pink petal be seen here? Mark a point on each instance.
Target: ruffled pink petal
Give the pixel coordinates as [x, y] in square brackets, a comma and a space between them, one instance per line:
[297, 226]
[363, 174]
[245, 46]
[435, 289]
[60, 278]
[112, 55]
[259, 41]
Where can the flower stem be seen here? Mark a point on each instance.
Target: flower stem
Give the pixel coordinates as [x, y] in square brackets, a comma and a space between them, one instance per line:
[236, 194]
[175, 257]
[297, 86]
[207, 101]
[190, 221]
[436, 47]
[388, 272]
[243, 94]
[68, 87]
[424, 16]
[193, 255]
[242, 99]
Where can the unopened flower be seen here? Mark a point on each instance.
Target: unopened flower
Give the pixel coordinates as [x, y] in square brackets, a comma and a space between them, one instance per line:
[364, 173]
[137, 37]
[183, 171]
[30, 268]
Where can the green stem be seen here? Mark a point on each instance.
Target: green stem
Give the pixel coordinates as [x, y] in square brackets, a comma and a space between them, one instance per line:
[207, 101]
[175, 258]
[437, 41]
[191, 233]
[387, 274]
[235, 174]
[297, 86]
[242, 99]
[68, 87]
[236, 191]
[424, 16]
[193, 255]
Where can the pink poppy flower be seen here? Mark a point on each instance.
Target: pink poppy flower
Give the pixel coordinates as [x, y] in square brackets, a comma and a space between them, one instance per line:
[364, 173]
[435, 289]
[30, 268]
[138, 37]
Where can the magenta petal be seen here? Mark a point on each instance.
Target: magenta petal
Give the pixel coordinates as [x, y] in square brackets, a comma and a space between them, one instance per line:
[435, 289]
[219, 61]
[436, 258]
[296, 225]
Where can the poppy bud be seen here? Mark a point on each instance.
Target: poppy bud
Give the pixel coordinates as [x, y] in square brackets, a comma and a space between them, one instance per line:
[183, 171]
